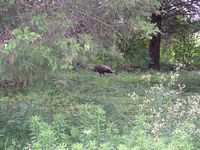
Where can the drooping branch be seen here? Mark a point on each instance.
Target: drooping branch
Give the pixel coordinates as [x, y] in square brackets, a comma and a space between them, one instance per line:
[101, 22]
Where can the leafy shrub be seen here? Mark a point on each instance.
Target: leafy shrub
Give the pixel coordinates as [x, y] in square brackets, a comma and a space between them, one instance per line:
[166, 108]
[26, 59]
[96, 53]
[184, 49]
[135, 50]
[101, 135]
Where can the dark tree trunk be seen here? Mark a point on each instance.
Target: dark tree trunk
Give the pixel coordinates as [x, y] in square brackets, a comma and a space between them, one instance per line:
[154, 45]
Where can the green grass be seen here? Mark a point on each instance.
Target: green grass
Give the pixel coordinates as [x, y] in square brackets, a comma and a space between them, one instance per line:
[168, 100]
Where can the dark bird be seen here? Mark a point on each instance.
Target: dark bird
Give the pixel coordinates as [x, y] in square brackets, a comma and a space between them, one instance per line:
[101, 69]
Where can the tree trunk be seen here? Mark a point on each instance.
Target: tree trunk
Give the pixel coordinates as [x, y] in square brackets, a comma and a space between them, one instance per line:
[154, 45]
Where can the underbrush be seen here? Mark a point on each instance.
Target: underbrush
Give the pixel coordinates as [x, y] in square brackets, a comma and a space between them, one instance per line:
[144, 110]
[95, 132]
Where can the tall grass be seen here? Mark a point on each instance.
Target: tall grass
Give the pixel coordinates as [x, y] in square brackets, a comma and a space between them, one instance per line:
[101, 135]
[148, 110]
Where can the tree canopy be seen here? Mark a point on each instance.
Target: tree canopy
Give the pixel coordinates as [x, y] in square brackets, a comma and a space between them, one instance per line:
[104, 22]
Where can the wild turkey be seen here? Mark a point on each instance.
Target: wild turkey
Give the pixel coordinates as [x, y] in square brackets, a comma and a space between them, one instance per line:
[101, 69]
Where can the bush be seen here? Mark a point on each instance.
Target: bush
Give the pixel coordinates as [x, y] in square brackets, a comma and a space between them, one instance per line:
[96, 133]
[135, 50]
[184, 49]
[26, 58]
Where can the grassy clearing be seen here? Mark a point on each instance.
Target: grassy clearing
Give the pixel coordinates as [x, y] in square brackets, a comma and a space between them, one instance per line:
[170, 103]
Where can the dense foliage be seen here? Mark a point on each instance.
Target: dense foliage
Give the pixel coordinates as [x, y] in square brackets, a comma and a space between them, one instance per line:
[51, 99]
